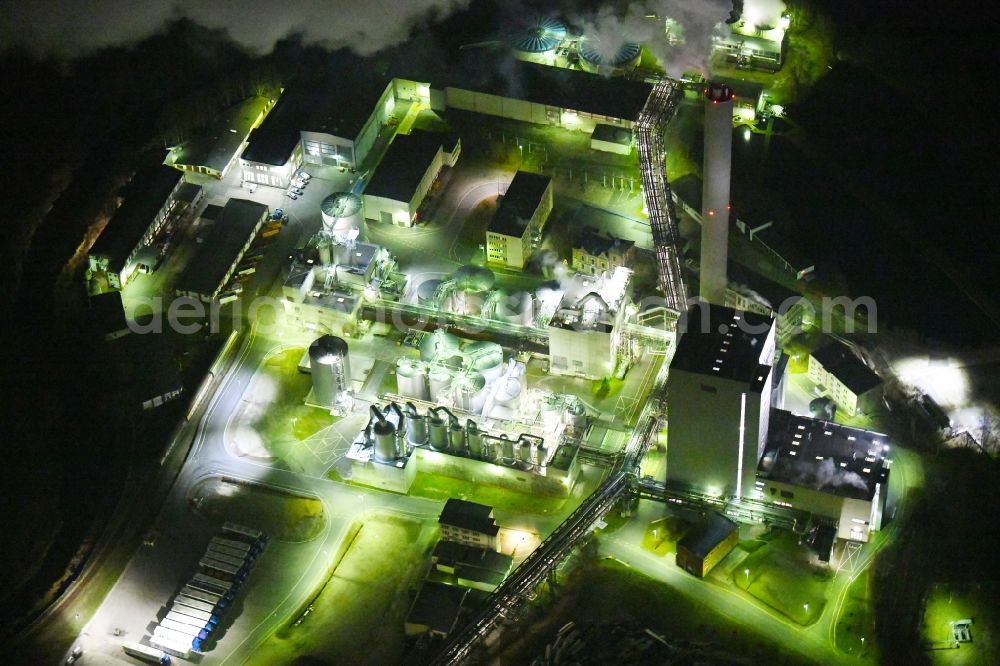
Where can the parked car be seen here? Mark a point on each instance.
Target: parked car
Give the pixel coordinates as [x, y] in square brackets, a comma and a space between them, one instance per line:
[296, 190]
[291, 195]
[303, 175]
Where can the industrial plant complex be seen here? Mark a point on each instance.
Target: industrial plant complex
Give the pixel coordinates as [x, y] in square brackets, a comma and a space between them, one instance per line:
[473, 325]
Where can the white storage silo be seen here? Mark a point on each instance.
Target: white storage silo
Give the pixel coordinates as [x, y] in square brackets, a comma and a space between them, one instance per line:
[341, 212]
[331, 372]
[411, 379]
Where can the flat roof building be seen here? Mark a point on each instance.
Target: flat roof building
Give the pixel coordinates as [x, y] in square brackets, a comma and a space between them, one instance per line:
[611, 139]
[224, 246]
[469, 523]
[519, 220]
[706, 544]
[405, 175]
[148, 201]
[827, 469]
[852, 385]
[720, 399]
[435, 610]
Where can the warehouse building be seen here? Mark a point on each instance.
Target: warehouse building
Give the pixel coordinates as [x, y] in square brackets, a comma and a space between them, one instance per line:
[469, 523]
[405, 174]
[214, 151]
[224, 246]
[706, 544]
[436, 610]
[595, 253]
[720, 399]
[841, 375]
[827, 469]
[478, 568]
[274, 150]
[611, 139]
[149, 200]
[518, 222]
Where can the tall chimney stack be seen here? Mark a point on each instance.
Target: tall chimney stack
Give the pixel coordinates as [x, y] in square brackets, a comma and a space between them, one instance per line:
[715, 192]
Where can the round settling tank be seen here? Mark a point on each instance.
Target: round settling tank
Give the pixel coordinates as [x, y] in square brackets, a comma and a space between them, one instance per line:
[536, 35]
[331, 373]
[607, 55]
[341, 212]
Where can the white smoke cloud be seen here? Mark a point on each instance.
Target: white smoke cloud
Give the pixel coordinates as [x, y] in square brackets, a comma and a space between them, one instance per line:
[763, 12]
[698, 20]
[67, 28]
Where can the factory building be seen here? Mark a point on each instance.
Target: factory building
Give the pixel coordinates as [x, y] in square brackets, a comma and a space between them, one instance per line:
[720, 399]
[214, 151]
[150, 199]
[405, 174]
[518, 222]
[477, 568]
[756, 40]
[827, 469]
[469, 523]
[584, 330]
[706, 544]
[595, 253]
[842, 376]
[324, 287]
[751, 292]
[274, 149]
[715, 192]
[611, 139]
[224, 246]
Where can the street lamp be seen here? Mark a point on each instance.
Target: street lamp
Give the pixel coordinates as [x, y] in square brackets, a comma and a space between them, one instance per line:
[747, 572]
[806, 607]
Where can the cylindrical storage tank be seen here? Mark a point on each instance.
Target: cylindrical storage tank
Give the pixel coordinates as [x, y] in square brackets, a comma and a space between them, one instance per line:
[440, 346]
[385, 441]
[416, 429]
[411, 379]
[426, 291]
[517, 308]
[438, 430]
[457, 435]
[468, 302]
[524, 454]
[550, 414]
[486, 358]
[474, 439]
[608, 55]
[331, 373]
[541, 455]
[440, 383]
[508, 393]
[473, 278]
[341, 212]
[489, 453]
[507, 449]
[470, 392]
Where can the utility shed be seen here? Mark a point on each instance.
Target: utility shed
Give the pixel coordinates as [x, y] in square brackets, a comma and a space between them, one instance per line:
[706, 543]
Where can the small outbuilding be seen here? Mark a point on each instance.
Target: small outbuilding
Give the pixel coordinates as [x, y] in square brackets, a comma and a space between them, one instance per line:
[706, 543]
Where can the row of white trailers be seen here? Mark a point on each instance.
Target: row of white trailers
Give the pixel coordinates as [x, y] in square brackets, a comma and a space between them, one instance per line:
[196, 609]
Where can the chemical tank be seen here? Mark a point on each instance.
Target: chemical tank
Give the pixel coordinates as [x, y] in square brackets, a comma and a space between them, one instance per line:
[575, 415]
[456, 434]
[411, 379]
[474, 438]
[507, 448]
[473, 278]
[439, 439]
[486, 358]
[440, 346]
[416, 427]
[524, 451]
[470, 392]
[331, 372]
[385, 441]
[440, 384]
[541, 455]
[341, 212]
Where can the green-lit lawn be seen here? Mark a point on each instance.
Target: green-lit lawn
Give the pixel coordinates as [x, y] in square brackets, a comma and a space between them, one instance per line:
[856, 620]
[781, 576]
[661, 535]
[606, 593]
[357, 615]
[433, 486]
[282, 515]
[949, 603]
